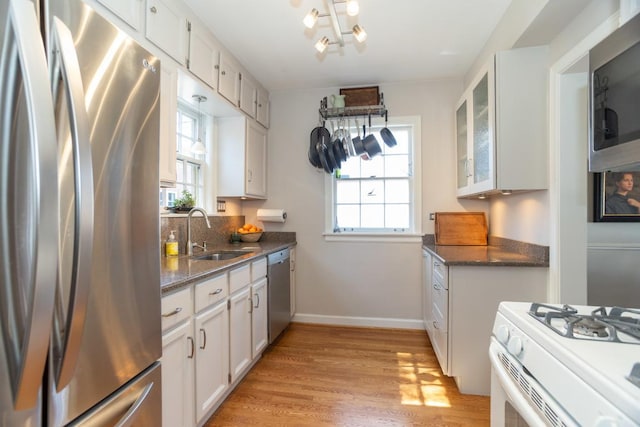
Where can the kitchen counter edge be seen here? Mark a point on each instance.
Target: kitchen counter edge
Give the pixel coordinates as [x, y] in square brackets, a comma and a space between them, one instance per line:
[182, 271]
[499, 253]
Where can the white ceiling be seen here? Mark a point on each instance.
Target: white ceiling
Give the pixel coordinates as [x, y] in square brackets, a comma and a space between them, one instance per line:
[408, 40]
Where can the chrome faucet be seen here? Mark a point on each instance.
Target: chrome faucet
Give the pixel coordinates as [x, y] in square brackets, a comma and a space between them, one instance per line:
[190, 245]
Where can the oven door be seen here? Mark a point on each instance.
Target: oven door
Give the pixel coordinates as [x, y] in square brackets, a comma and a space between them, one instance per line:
[517, 399]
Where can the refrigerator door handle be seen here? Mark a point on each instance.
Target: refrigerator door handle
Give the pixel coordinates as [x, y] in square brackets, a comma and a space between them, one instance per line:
[70, 325]
[130, 416]
[27, 297]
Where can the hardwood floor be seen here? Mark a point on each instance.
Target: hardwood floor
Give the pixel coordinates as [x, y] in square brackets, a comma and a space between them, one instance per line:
[318, 375]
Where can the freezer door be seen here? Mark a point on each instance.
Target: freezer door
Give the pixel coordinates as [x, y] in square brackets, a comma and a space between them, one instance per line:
[139, 403]
[122, 333]
[28, 213]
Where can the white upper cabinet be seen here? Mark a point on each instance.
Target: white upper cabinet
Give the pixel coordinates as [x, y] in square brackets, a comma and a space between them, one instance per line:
[130, 11]
[204, 55]
[242, 154]
[501, 126]
[248, 95]
[262, 108]
[167, 27]
[229, 79]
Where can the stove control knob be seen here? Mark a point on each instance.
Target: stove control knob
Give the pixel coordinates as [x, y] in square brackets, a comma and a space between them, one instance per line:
[502, 333]
[515, 345]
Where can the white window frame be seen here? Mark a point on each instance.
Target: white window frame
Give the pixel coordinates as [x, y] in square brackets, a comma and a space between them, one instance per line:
[199, 161]
[413, 233]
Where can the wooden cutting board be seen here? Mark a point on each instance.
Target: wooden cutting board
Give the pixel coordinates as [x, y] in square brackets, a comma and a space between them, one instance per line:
[461, 228]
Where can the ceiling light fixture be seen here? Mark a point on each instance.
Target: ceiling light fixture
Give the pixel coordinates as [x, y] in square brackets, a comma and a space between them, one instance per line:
[353, 8]
[198, 146]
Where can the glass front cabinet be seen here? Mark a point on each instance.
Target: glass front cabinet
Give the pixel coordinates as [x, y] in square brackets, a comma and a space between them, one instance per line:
[501, 131]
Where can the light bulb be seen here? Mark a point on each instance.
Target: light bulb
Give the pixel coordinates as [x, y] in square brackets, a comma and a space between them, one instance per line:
[322, 44]
[359, 33]
[353, 8]
[311, 18]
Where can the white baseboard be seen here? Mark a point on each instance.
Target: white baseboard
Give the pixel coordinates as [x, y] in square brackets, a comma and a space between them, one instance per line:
[359, 321]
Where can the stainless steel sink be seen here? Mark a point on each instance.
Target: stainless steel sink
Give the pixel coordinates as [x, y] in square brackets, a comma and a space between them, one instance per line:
[220, 256]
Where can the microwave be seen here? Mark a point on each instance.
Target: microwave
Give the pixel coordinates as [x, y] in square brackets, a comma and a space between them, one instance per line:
[614, 100]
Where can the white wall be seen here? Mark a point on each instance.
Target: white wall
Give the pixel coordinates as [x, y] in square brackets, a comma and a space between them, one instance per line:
[347, 282]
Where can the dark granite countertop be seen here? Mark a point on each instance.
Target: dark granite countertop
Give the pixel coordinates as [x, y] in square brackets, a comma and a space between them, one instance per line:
[180, 271]
[499, 252]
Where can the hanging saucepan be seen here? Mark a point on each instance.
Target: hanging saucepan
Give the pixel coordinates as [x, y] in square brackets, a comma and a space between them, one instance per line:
[386, 134]
[342, 151]
[331, 157]
[337, 145]
[371, 146]
[357, 141]
[345, 140]
[324, 160]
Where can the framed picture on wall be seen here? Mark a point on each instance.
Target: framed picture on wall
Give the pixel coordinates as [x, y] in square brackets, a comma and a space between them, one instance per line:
[617, 197]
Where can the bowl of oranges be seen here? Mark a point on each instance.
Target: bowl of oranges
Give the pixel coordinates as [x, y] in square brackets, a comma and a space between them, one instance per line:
[250, 233]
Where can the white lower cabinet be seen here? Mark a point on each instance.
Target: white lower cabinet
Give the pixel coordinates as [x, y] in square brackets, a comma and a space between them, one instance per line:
[213, 332]
[212, 362]
[240, 336]
[177, 376]
[464, 302]
[259, 326]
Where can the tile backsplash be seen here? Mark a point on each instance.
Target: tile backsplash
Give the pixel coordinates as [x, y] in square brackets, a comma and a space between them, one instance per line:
[220, 231]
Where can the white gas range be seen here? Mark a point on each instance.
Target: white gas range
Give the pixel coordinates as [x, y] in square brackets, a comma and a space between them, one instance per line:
[555, 365]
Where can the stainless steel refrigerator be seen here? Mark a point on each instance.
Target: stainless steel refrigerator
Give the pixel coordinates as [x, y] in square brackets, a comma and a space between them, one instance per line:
[79, 227]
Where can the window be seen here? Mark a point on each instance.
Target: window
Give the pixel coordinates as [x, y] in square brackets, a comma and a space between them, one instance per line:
[189, 166]
[380, 195]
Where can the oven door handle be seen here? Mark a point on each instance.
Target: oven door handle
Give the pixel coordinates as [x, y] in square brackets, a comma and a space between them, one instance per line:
[519, 402]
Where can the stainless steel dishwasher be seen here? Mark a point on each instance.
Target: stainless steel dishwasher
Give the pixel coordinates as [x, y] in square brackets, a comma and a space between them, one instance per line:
[279, 292]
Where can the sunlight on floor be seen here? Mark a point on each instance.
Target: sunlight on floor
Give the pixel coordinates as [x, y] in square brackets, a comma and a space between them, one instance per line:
[420, 385]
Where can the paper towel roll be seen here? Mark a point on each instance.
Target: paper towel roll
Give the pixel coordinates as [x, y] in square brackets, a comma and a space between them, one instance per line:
[272, 215]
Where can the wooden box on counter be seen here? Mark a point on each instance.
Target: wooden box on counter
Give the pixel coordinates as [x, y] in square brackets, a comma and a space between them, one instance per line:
[461, 228]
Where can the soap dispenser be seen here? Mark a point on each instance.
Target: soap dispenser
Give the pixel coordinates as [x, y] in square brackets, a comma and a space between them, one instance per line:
[171, 246]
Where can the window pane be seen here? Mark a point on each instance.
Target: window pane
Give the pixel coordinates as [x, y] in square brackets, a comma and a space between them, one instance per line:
[372, 216]
[180, 170]
[397, 216]
[348, 216]
[187, 126]
[373, 167]
[402, 138]
[397, 191]
[372, 192]
[348, 191]
[350, 168]
[191, 173]
[396, 165]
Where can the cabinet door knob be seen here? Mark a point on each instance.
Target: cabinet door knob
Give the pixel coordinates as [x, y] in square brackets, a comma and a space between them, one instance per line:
[153, 9]
[223, 73]
[257, 301]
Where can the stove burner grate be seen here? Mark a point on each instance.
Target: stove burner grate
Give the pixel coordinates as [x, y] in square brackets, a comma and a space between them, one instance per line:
[598, 325]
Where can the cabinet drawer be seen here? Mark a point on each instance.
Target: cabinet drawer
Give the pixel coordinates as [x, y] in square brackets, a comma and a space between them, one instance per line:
[211, 291]
[441, 272]
[239, 278]
[258, 269]
[440, 306]
[176, 307]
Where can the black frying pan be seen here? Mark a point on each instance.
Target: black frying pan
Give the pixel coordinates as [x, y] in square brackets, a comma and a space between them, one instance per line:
[319, 135]
[386, 134]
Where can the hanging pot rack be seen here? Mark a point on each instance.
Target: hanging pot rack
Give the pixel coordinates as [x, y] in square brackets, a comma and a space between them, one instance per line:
[365, 111]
